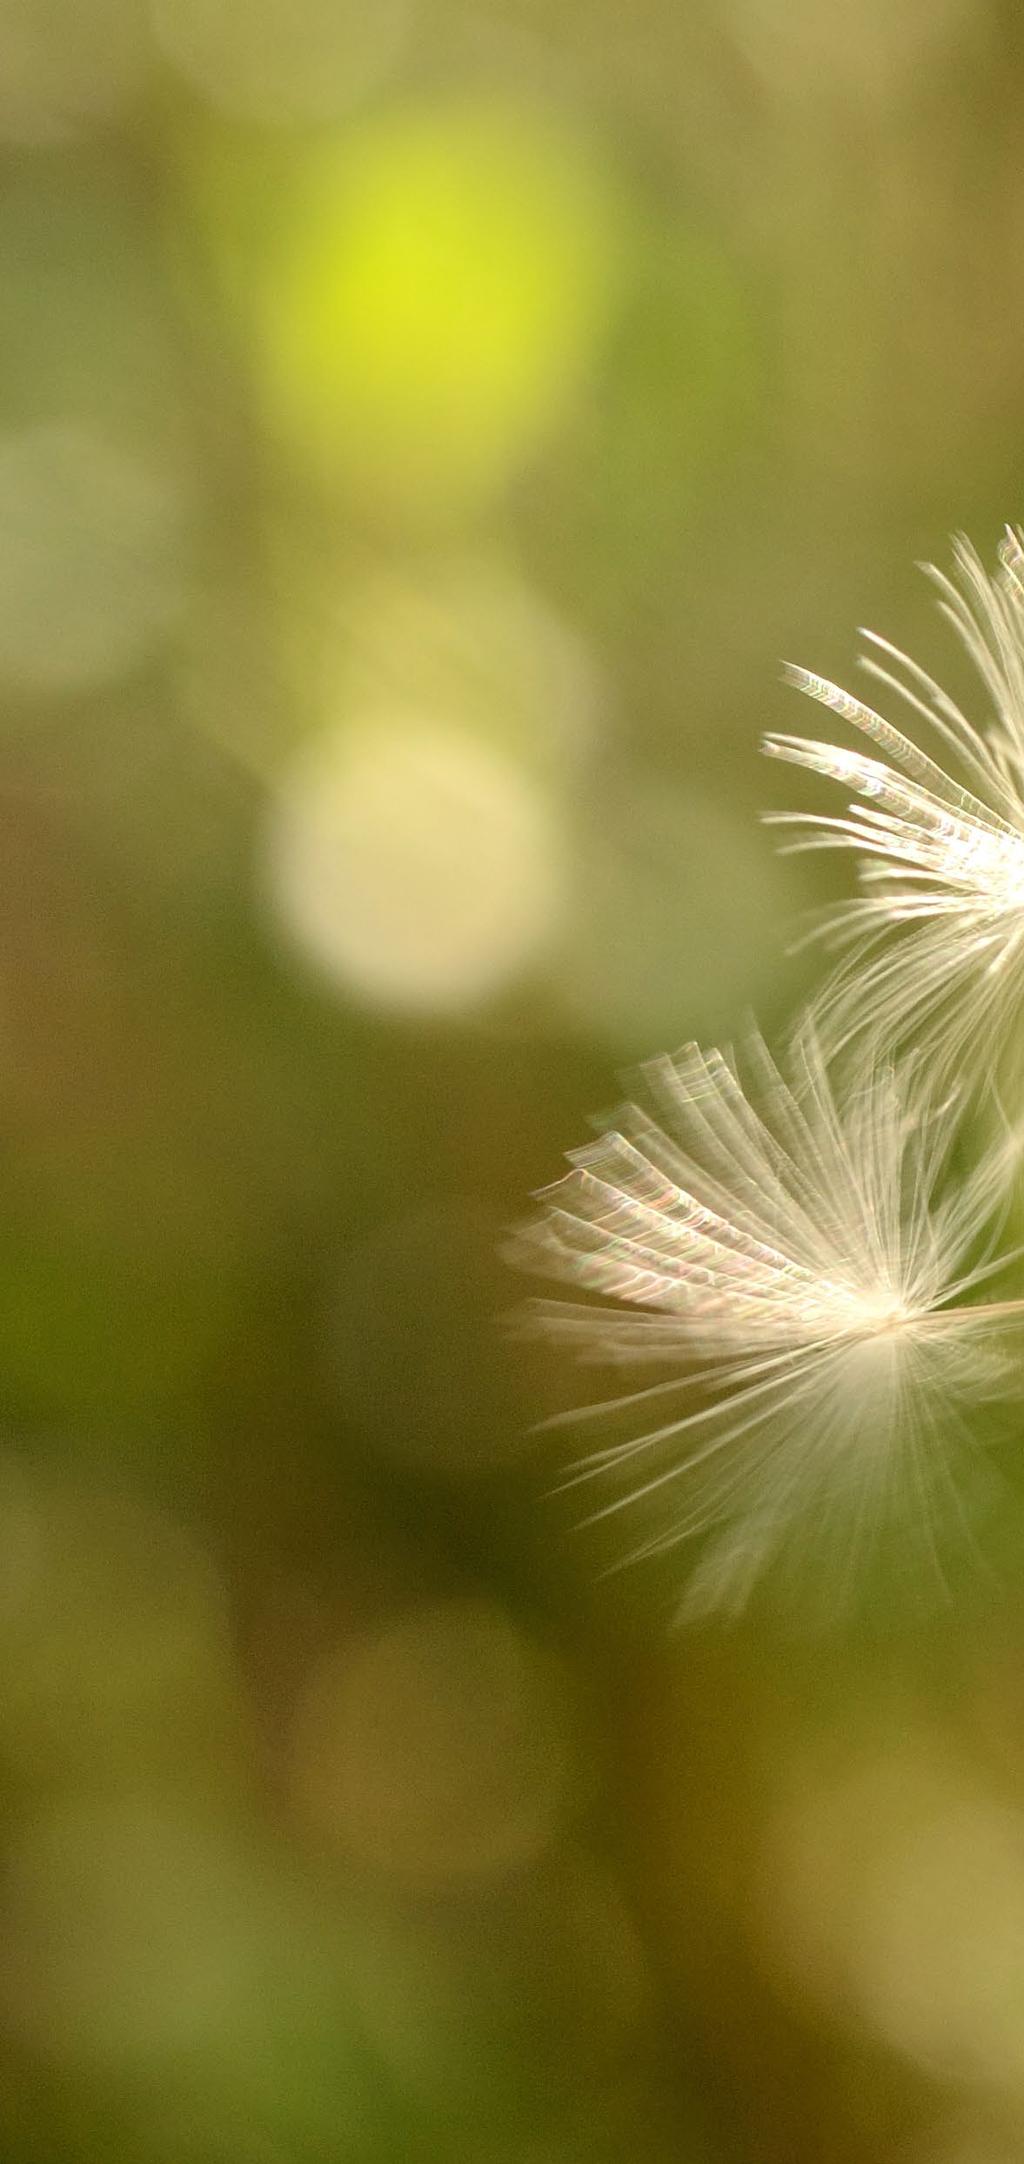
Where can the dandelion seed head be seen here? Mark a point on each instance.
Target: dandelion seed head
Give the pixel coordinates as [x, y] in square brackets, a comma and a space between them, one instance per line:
[798, 1261]
[938, 928]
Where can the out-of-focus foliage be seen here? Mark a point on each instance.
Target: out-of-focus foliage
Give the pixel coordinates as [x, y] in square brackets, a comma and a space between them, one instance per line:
[422, 430]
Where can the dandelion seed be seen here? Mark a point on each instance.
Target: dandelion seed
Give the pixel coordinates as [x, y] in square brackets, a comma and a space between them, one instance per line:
[801, 1261]
[935, 942]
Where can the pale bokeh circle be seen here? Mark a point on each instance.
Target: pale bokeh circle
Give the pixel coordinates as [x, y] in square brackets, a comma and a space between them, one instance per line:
[415, 865]
[437, 1751]
[894, 1895]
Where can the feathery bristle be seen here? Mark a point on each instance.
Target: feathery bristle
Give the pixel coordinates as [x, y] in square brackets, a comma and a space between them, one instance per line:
[800, 1252]
[941, 853]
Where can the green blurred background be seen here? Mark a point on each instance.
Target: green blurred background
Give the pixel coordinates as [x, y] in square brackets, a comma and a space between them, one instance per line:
[422, 431]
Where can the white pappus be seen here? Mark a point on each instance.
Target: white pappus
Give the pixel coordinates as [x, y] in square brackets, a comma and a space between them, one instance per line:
[934, 944]
[797, 1254]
